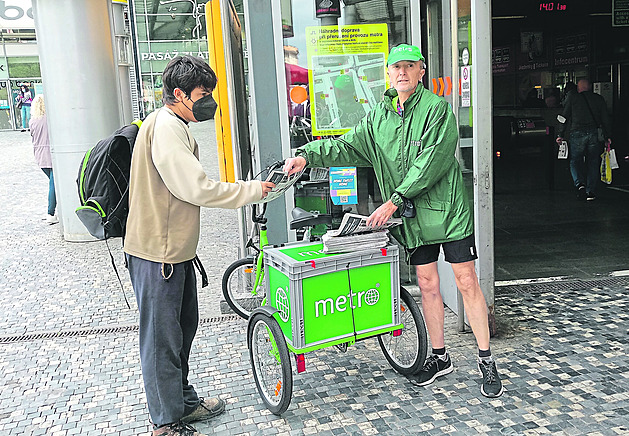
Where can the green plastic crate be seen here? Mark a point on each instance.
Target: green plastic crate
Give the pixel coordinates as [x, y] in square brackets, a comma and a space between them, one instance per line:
[311, 291]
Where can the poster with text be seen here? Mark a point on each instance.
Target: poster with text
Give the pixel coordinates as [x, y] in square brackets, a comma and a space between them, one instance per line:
[343, 185]
[347, 74]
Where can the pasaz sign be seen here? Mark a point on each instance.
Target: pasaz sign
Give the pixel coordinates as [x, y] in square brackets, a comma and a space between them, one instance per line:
[16, 14]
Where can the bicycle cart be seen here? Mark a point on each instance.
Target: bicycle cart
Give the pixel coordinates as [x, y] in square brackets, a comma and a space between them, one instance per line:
[316, 300]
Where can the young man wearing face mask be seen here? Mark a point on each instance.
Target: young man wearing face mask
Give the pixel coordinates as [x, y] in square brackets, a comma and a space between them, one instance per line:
[167, 188]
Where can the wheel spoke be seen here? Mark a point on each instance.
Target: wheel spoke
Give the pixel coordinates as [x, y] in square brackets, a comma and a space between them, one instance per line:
[271, 362]
[404, 351]
[238, 284]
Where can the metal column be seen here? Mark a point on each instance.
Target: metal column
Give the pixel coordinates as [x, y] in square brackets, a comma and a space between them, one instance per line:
[267, 86]
[123, 57]
[483, 163]
[81, 89]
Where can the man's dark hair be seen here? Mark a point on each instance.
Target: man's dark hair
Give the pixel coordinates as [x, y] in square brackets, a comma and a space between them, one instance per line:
[186, 73]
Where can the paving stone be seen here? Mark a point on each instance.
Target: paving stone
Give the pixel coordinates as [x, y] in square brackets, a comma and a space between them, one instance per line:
[562, 353]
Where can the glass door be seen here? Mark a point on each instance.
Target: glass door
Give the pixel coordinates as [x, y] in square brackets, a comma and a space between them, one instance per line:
[334, 61]
[5, 107]
[449, 38]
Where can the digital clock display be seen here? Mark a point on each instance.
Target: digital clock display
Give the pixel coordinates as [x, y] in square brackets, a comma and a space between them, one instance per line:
[552, 7]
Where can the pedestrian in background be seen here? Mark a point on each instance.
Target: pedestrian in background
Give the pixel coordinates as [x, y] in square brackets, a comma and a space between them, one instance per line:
[41, 149]
[23, 101]
[586, 112]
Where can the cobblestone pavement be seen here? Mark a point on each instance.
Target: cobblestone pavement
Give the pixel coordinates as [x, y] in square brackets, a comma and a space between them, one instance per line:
[69, 360]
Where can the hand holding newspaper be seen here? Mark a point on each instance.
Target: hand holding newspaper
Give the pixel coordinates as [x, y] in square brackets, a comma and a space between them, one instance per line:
[353, 223]
[282, 182]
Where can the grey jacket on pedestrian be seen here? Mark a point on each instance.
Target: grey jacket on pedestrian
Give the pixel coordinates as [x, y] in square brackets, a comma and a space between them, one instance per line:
[581, 117]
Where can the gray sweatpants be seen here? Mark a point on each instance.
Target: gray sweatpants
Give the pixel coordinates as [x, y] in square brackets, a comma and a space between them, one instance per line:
[169, 316]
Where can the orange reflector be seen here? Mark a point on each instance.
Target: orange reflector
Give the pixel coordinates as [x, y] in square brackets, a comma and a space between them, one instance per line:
[248, 270]
[403, 309]
[278, 387]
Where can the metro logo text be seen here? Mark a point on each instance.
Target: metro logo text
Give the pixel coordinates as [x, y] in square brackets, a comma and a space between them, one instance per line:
[344, 302]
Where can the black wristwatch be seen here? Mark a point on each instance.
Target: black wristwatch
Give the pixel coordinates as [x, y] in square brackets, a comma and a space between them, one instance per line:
[405, 206]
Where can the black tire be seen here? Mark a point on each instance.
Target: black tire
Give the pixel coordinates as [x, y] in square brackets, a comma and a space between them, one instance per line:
[406, 353]
[272, 370]
[238, 281]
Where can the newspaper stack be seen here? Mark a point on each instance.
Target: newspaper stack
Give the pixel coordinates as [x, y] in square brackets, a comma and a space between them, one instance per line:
[354, 234]
[357, 242]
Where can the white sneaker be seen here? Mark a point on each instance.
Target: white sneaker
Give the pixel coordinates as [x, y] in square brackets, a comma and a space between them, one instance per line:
[52, 219]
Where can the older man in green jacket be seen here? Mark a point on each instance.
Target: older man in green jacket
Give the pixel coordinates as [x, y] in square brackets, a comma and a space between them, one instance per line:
[410, 140]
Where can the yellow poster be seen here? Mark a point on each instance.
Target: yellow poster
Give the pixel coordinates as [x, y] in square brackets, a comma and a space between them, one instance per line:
[346, 73]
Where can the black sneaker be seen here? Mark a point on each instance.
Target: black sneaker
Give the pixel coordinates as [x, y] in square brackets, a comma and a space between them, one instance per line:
[590, 196]
[492, 386]
[176, 429]
[581, 192]
[434, 367]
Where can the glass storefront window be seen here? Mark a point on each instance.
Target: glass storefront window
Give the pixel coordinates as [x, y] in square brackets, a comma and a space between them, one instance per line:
[35, 87]
[26, 66]
[164, 30]
[175, 27]
[151, 92]
[141, 28]
[332, 85]
[164, 6]
[335, 64]
[5, 106]
[465, 101]
[21, 66]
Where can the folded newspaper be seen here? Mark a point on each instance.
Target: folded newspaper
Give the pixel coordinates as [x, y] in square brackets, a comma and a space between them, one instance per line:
[282, 182]
[354, 234]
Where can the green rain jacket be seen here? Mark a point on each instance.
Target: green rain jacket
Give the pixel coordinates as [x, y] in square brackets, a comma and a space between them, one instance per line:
[412, 155]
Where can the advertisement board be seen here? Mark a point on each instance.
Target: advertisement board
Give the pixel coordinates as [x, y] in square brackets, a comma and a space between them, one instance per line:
[347, 74]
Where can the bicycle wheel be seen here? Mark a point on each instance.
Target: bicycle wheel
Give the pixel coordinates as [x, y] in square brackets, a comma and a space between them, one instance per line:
[238, 281]
[406, 352]
[270, 362]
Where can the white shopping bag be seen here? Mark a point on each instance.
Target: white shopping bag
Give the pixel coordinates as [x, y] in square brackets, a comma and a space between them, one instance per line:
[613, 163]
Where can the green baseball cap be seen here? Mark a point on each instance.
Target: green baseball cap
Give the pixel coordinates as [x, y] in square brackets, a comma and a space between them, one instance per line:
[404, 52]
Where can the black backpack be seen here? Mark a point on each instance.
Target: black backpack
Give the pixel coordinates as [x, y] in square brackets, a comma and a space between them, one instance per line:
[103, 183]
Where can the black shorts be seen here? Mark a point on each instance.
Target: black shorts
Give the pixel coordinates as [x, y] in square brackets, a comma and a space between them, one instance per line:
[459, 251]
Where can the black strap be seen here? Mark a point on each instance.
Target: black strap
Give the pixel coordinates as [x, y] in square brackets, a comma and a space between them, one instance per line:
[590, 109]
[113, 263]
[198, 265]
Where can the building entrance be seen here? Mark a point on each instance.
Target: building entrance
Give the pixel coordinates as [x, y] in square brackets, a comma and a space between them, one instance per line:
[538, 52]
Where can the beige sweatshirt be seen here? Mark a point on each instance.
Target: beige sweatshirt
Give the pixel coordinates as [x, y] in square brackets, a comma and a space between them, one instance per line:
[167, 187]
